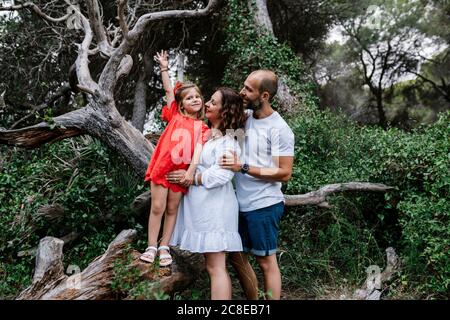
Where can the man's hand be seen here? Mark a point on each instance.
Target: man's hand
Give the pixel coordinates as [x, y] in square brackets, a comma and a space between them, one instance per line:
[178, 177]
[230, 161]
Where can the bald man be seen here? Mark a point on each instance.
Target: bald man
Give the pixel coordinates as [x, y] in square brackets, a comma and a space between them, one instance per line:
[267, 158]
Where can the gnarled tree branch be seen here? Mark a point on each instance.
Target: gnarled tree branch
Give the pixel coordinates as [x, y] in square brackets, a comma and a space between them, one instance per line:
[82, 62]
[64, 126]
[94, 282]
[62, 91]
[108, 77]
[100, 117]
[37, 10]
[98, 28]
[319, 197]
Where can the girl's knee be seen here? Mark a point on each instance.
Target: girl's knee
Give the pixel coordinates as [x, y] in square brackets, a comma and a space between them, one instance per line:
[173, 204]
[172, 210]
[157, 209]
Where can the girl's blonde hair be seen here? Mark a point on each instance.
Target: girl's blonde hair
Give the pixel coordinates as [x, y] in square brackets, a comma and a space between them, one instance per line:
[180, 93]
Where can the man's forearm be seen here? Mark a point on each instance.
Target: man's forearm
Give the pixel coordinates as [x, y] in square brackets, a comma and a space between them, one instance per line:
[270, 174]
[281, 173]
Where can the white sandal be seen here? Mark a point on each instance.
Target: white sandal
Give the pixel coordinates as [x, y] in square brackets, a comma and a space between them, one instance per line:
[149, 254]
[166, 256]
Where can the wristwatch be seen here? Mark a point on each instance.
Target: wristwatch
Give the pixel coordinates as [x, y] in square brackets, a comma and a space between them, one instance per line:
[244, 168]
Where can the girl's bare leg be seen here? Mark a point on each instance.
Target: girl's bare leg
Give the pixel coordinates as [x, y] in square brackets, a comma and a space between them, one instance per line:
[159, 202]
[170, 217]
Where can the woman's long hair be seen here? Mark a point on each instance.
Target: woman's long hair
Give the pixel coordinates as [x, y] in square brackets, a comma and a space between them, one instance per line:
[232, 111]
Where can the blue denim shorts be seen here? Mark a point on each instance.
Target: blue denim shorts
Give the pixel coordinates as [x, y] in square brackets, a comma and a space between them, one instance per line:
[259, 229]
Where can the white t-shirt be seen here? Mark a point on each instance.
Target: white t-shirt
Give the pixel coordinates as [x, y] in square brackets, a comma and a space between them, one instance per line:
[264, 138]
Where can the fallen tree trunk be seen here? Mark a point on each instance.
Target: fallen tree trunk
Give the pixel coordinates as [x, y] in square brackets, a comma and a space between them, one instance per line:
[141, 204]
[94, 283]
[319, 197]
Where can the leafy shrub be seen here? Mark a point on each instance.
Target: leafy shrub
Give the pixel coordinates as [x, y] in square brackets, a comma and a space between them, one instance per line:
[91, 183]
[414, 217]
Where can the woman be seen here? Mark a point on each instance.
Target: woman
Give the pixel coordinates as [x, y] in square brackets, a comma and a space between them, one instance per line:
[208, 215]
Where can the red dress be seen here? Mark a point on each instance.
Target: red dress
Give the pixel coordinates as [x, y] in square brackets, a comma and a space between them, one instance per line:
[175, 146]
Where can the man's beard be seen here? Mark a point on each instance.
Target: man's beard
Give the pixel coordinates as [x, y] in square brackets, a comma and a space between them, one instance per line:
[254, 105]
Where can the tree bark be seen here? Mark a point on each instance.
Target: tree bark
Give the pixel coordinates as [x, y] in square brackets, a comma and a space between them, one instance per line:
[103, 42]
[381, 114]
[373, 286]
[140, 94]
[318, 197]
[288, 101]
[97, 120]
[94, 283]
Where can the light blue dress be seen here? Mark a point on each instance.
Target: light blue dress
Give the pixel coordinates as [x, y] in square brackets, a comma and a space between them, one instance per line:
[208, 215]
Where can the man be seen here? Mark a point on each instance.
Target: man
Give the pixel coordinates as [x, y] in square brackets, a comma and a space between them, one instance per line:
[267, 159]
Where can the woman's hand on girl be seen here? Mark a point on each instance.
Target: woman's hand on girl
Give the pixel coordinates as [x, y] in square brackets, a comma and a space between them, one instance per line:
[178, 177]
[188, 179]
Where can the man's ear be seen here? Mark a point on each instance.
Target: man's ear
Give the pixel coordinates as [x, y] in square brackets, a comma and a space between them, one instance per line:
[265, 96]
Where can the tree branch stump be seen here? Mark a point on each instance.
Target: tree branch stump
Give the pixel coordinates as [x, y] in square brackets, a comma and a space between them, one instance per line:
[94, 282]
[373, 286]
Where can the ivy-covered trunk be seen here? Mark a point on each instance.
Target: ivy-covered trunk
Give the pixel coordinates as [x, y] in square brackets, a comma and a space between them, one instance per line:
[251, 44]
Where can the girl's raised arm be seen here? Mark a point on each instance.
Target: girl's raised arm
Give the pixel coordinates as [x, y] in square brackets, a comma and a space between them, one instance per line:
[162, 58]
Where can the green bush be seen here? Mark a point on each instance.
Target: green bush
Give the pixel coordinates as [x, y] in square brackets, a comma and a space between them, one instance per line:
[91, 183]
[414, 217]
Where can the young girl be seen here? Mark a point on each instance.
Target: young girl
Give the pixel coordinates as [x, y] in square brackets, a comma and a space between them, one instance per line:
[179, 145]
